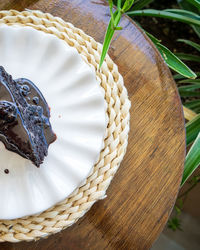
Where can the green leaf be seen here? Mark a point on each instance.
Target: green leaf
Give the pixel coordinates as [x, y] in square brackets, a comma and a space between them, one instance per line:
[189, 87]
[110, 3]
[191, 11]
[106, 44]
[172, 61]
[174, 224]
[192, 129]
[196, 29]
[166, 14]
[178, 210]
[184, 13]
[119, 4]
[184, 4]
[113, 25]
[192, 44]
[180, 203]
[111, 13]
[198, 74]
[192, 160]
[179, 77]
[141, 4]
[188, 57]
[193, 81]
[196, 3]
[194, 105]
[186, 93]
[189, 90]
[153, 38]
[109, 34]
[127, 5]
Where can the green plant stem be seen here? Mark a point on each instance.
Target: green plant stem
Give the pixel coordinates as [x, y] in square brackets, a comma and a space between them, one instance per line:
[109, 34]
[119, 4]
[113, 25]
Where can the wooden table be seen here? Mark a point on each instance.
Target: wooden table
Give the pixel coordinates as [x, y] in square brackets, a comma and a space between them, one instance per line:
[144, 190]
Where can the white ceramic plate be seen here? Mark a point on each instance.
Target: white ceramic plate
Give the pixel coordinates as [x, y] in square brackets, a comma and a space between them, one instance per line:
[78, 118]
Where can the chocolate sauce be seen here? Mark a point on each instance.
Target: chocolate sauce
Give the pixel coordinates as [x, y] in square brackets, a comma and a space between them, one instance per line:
[24, 118]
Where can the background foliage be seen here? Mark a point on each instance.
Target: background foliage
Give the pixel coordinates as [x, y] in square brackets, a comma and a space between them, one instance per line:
[188, 80]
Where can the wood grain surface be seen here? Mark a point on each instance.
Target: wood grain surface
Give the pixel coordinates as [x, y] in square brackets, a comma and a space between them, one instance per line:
[144, 190]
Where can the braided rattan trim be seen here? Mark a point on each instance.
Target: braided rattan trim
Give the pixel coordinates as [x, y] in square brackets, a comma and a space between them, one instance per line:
[94, 188]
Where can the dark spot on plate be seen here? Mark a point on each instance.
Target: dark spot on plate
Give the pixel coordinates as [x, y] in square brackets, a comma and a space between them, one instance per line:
[6, 171]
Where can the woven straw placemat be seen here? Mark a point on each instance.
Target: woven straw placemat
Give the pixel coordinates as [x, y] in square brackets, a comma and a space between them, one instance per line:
[94, 188]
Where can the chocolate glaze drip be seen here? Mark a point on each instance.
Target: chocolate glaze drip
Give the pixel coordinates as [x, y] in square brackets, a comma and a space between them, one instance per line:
[24, 118]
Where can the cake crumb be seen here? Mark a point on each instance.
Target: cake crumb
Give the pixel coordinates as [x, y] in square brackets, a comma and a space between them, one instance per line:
[6, 171]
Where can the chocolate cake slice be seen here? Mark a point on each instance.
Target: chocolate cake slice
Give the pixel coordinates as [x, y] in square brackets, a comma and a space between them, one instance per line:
[24, 118]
